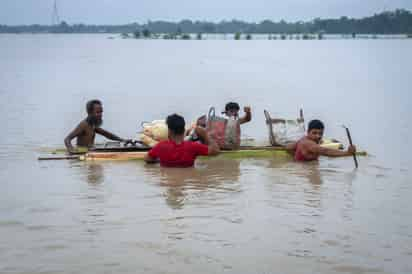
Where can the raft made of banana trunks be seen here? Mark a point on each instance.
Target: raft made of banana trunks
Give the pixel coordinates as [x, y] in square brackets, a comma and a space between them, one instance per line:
[113, 151]
[137, 151]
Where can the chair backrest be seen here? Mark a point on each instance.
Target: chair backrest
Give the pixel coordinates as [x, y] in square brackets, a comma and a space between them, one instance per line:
[282, 131]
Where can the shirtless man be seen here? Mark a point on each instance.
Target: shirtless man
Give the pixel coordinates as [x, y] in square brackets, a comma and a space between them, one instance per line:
[308, 148]
[87, 129]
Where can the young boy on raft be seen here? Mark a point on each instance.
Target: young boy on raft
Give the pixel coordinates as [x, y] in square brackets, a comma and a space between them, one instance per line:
[176, 152]
[228, 133]
[232, 130]
[232, 112]
[309, 149]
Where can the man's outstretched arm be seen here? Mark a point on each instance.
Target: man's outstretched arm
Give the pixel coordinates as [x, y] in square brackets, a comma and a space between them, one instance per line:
[109, 135]
[330, 152]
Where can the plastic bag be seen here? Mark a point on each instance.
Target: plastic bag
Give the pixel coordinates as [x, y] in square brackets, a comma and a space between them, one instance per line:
[288, 131]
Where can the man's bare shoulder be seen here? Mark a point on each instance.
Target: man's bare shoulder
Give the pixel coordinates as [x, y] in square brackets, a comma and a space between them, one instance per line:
[84, 124]
[306, 142]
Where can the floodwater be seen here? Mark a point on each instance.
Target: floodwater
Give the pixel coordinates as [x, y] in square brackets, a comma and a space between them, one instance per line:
[222, 216]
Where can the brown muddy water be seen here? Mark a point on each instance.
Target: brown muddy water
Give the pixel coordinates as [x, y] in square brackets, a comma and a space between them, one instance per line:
[222, 216]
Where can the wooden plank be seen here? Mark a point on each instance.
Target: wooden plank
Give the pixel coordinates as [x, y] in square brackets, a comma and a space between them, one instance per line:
[230, 154]
[139, 155]
[67, 157]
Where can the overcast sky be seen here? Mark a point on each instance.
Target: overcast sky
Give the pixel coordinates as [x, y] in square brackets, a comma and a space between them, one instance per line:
[13, 12]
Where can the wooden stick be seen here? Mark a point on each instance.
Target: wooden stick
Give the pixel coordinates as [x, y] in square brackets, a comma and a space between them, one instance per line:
[350, 142]
[66, 157]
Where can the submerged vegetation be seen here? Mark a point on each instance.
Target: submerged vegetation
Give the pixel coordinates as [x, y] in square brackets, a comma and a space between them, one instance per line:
[186, 36]
[136, 35]
[146, 33]
[236, 36]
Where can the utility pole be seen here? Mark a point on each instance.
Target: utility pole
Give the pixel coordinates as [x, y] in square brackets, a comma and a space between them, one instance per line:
[55, 14]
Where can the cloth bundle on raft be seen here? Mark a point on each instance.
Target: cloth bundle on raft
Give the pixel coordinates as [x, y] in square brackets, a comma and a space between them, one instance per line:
[225, 131]
[154, 132]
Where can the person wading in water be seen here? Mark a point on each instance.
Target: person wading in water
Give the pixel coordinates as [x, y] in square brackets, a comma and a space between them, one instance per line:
[86, 131]
[309, 149]
[176, 152]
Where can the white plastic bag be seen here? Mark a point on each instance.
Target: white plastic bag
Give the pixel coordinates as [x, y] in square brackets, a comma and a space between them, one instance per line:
[288, 131]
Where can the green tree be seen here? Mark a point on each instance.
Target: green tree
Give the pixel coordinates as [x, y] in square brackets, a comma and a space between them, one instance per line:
[208, 27]
[237, 36]
[63, 27]
[64, 24]
[146, 33]
[186, 36]
[136, 34]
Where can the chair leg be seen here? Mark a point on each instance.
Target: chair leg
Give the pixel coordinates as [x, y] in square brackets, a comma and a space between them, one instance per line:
[269, 124]
[301, 118]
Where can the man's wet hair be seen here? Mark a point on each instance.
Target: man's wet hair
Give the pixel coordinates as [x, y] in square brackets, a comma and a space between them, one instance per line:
[176, 124]
[90, 105]
[315, 124]
[232, 106]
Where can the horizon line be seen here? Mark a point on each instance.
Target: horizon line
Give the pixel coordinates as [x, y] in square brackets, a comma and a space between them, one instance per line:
[212, 21]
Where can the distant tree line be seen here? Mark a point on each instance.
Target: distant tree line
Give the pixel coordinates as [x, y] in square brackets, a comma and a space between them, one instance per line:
[389, 22]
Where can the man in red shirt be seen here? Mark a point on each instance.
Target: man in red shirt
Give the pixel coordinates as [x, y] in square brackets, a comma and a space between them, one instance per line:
[176, 152]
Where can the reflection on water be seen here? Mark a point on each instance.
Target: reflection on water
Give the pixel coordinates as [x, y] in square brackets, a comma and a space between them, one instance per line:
[93, 200]
[95, 175]
[188, 183]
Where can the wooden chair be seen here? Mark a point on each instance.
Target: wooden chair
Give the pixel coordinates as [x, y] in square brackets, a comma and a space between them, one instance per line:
[270, 121]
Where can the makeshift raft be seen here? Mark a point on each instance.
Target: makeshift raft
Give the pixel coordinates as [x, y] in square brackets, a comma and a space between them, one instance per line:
[243, 152]
[115, 151]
